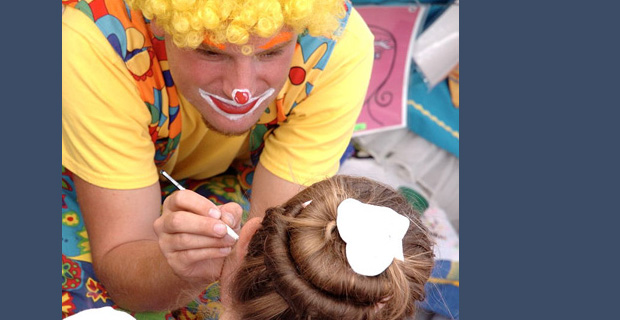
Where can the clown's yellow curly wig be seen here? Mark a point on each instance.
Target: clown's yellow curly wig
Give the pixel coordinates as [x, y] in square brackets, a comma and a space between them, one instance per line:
[234, 21]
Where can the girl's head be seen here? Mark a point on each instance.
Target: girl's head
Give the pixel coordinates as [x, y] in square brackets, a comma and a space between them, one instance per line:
[296, 266]
[190, 22]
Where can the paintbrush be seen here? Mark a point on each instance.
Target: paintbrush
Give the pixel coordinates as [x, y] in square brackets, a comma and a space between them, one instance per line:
[229, 230]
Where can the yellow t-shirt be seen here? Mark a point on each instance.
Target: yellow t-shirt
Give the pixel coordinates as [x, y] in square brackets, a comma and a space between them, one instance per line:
[105, 137]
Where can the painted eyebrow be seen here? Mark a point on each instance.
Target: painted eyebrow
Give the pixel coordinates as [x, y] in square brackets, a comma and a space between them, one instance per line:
[283, 37]
[212, 46]
[205, 47]
[276, 47]
[220, 49]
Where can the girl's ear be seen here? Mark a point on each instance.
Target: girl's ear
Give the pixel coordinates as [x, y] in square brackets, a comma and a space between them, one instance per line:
[233, 261]
[240, 249]
[246, 234]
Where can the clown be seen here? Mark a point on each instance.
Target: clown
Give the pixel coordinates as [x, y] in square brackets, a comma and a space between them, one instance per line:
[233, 98]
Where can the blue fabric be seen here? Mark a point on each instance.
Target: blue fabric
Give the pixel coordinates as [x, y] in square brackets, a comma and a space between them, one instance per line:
[442, 299]
[442, 290]
[348, 153]
[431, 114]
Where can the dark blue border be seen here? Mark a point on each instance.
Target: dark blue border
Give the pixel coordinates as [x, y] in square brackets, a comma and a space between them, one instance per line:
[31, 104]
[539, 164]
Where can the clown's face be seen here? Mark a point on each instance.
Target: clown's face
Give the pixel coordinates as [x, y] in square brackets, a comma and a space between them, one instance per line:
[230, 88]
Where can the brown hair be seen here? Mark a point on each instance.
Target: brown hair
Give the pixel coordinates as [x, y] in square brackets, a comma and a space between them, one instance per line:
[296, 267]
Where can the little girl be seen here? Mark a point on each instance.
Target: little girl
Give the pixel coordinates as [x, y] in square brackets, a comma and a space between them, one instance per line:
[344, 248]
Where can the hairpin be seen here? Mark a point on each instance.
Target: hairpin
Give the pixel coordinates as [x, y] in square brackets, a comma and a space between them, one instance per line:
[373, 235]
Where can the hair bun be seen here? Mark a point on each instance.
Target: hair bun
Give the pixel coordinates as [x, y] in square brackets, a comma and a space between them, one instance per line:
[296, 266]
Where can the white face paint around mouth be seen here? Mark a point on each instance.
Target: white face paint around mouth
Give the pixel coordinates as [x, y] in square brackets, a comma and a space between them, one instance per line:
[252, 104]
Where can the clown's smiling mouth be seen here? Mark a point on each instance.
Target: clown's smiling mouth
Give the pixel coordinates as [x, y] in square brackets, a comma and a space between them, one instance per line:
[231, 109]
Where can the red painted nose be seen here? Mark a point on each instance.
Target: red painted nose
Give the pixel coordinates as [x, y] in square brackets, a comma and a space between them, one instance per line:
[242, 97]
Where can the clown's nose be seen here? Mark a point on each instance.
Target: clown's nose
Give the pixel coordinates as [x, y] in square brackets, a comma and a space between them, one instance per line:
[242, 97]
